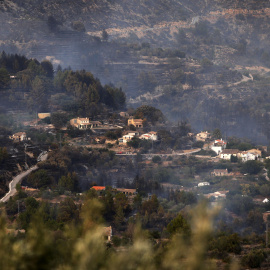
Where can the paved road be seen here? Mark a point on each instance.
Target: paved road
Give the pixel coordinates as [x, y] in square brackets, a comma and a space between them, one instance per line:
[159, 154]
[18, 179]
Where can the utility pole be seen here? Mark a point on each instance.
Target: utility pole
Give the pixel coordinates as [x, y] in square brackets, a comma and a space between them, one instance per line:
[60, 142]
[266, 236]
[25, 155]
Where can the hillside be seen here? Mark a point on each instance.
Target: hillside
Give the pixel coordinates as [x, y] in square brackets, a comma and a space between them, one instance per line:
[204, 61]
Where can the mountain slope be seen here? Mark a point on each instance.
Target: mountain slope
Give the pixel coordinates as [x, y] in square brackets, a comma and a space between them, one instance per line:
[206, 61]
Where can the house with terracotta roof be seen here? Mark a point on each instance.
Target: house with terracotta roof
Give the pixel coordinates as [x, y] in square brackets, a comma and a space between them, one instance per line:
[152, 135]
[138, 123]
[218, 146]
[84, 123]
[98, 188]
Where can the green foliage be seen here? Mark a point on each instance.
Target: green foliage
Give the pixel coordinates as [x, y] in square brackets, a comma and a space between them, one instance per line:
[89, 92]
[69, 182]
[67, 211]
[134, 142]
[114, 135]
[182, 197]
[198, 144]
[226, 243]
[11, 207]
[252, 167]
[179, 225]
[238, 204]
[151, 114]
[48, 68]
[59, 120]
[156, 159]
[13, 62]
[82, 246]
[217, 134]
[211, 153]
[39, 179]
[3, 154]
[116, 241]
[4, 79]
[234, 158]
[40, 88]
[150, 206]
[254, 258]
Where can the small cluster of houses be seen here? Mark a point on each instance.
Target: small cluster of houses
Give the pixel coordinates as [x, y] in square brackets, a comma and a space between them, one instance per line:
[219, 147]
[86, 123]
[252, 154]
[152, 135]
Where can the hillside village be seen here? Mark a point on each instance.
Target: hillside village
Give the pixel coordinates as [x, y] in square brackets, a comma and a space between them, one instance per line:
[134, 162]
[129, 137]
[133, 159]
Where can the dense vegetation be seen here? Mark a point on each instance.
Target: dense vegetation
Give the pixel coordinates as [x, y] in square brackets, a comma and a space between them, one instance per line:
[78, 92]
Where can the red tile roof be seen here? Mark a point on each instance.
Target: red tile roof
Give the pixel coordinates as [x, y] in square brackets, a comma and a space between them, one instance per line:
[98, 188]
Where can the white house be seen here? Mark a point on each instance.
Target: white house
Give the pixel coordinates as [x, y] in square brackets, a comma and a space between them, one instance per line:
[246, 155]
[202, 184]
[218, 146]
[126, 138]
[227, 153]
[152, 135]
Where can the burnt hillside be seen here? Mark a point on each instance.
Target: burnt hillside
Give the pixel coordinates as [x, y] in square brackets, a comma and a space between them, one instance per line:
[195, 60]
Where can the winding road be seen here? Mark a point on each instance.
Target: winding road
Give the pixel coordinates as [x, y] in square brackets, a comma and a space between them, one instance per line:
[17, 179]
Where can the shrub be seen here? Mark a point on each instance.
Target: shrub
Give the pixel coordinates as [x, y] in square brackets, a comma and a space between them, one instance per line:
[254, 258]
[156, 159]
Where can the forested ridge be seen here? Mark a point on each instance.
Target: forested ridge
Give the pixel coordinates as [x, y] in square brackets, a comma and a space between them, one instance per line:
[21, 77]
